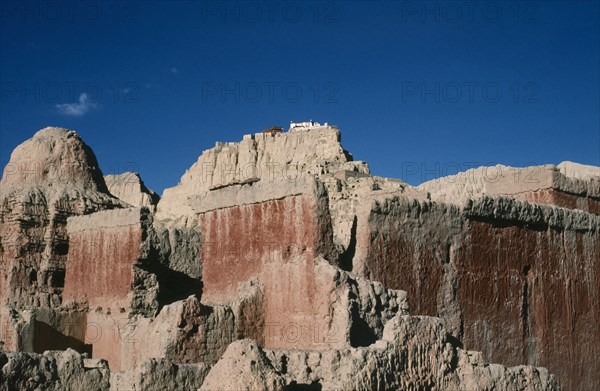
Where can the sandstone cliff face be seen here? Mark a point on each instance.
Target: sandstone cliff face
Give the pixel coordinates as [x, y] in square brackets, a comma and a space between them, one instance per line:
[280, 263]
[244, 366]
[103, 249]
[119, 270]
[184, 332]
[110, 264]
[159, 375]
[258, 229]
[50, 177]
[579, 171]
[281, 161]
[278, 248]
[556, 251]
[511, 279]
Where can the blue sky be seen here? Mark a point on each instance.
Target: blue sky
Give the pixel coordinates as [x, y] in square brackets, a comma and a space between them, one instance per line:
[419, 89]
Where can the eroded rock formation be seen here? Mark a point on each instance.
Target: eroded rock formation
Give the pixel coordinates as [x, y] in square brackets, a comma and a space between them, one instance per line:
[52, 371]
[130, 188]
[280, 263]
[50, 177]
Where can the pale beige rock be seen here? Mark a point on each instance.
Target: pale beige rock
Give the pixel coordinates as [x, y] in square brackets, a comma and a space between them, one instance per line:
[159, 375]
[414, 353]
[184, 332]
[53, 157]
[506, 209]
[569, 178]
[265, 156]
[244, 366]
[463, 185]
[254, 193]
[579, 171]
[16, 329]
[129, 188]
[178, 248]
[347, 195]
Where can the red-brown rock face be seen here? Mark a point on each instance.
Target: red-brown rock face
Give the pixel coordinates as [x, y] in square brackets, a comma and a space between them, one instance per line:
[525, 296]
[100, 261]
[110, 269]
[238, 242]
[516, 283]
[275, 242]
[560, 198]
[266, 260]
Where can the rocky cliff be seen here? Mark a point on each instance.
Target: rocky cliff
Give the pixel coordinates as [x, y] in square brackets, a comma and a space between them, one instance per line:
[50, 177]
[280, 263]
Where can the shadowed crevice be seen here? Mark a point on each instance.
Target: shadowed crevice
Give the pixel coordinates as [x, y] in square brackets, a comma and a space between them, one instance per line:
[173, 285]
[361, 333]
[46, 337]
[347, 256]
[293, 386]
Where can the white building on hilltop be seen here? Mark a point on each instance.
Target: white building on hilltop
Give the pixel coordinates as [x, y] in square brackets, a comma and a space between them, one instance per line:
[296, 126]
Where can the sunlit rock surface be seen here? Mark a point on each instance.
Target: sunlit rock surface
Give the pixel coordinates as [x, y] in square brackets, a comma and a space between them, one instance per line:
[280, 263]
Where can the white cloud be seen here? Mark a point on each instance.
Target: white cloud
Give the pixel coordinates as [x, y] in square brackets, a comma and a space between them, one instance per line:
[174, 71]
[77, 109]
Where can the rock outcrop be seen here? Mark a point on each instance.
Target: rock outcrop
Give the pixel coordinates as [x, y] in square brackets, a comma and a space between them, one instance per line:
[579, 171]
[50, 177]
[129, 188]
[159, 375]
[244, 366]
[259, 156]
[52, 371]
[507, 277]
[414, 353]
[568, 185]
[280, 263]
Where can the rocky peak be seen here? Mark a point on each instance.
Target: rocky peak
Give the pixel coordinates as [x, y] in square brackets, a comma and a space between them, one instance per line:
[54, 157]
[49, 177]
